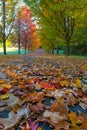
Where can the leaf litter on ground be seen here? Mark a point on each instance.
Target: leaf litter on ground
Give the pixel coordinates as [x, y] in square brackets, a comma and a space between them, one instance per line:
[27, 85]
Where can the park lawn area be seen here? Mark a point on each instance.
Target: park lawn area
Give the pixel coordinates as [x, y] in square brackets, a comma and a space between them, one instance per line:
[12, 50]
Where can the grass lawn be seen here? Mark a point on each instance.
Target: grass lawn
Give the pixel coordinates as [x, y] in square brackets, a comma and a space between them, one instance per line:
[12, 50]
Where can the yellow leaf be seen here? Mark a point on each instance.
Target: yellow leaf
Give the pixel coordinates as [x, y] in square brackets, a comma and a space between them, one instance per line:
[67, 92]
[2, 81]
[6, 86]
[75, 128]
[77, 82]
[64, 83]
[73, 118]
[39, 128]
[5, 96]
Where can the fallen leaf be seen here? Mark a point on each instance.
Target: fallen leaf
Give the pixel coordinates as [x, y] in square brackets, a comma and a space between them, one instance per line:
[74, 120]
[4, 96]
[82, 119]
[14, 119]
[64, 83]
[7, 86]
[77, 82]
[2, 81]
[30, 125]
[55, 117]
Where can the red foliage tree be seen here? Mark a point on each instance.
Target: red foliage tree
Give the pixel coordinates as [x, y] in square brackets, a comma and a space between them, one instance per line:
[28, 32]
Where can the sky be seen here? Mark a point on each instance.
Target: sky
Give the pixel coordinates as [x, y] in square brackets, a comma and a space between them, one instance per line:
[22, 2]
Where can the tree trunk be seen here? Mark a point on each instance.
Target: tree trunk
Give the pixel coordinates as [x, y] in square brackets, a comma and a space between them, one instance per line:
[4, 46]
[19, 44]
[68, 49]
[4, 37]
[19, 26]
[52, 51]
[25, 48]
[57, 50]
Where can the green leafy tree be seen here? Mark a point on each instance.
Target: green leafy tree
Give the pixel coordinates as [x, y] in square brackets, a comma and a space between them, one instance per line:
[62, 16]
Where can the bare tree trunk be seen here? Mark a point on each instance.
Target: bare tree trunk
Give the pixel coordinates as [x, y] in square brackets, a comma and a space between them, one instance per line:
[4, 37]
[19, 26]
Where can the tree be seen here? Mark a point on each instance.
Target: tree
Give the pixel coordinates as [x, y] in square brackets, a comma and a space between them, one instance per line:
[62, 16]
[8, 10]
[28, 30]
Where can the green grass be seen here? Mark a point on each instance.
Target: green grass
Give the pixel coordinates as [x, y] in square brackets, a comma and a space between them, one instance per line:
[12, 50]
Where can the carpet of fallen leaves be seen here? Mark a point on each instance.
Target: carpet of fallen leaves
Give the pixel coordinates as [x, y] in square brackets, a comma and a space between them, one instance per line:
[43, 93]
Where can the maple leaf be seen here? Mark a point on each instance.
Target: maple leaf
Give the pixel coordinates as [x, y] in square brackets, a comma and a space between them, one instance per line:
[74, 119]
[14, 118]
[64, 83]
[30, 125]
[55, 117]
[77, 82]
[35, 96]
[59, 106]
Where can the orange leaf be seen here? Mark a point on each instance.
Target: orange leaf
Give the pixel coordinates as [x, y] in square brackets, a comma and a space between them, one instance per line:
[8, 86]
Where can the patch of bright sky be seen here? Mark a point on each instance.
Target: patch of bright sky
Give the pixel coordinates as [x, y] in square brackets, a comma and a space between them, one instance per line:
[22, 3]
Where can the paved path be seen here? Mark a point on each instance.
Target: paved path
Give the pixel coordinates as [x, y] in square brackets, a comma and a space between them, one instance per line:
[39, 52]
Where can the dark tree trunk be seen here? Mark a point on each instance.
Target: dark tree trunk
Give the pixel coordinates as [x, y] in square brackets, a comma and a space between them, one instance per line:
[68, 49]
[25, 46]
[4, 37]
[57, 50]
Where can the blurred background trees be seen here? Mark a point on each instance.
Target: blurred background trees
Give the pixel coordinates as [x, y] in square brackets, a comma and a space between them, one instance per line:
[53, 25]
[62, 23]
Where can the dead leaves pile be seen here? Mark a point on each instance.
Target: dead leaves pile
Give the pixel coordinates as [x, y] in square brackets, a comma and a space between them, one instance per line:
[41, 89]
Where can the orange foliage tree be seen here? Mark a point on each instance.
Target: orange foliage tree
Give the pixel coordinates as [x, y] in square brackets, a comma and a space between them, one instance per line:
[28, 32]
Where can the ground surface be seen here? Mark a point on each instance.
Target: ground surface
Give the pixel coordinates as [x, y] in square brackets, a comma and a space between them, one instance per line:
[43, 92]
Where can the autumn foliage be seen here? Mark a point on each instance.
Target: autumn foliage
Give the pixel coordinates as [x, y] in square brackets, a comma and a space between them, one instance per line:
[28, 32]
[37, 93]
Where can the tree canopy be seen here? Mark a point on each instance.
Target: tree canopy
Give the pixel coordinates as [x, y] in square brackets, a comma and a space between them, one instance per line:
[63, 20]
